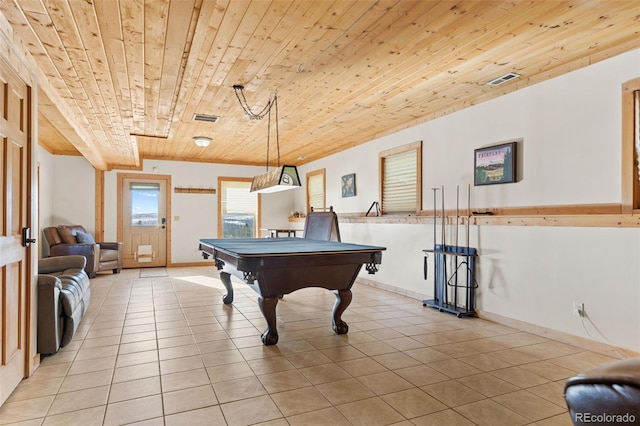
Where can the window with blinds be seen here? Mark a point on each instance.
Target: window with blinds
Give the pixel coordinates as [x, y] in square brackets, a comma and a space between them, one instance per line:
[238, 209]
[316, 195]
[401, 174]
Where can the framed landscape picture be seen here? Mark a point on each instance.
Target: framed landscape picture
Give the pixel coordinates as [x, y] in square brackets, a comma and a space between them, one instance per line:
[495, 164]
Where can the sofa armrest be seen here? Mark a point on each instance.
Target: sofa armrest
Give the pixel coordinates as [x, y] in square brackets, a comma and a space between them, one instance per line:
[110, 245]
[49, 321]
[90, 251]
[61, 263]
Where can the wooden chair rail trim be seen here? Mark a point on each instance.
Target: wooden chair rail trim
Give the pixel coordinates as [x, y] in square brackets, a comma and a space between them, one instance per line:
[583, 215]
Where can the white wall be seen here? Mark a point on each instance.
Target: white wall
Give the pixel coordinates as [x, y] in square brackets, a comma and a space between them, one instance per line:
[570, 131]
[570, 152]
[197, 213]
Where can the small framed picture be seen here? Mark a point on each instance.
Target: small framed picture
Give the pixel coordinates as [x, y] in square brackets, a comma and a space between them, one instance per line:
[495, 164]
[349, 185]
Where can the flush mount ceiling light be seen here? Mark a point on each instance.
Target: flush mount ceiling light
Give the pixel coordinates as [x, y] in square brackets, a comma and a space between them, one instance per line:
[283, 177]
[202, 141]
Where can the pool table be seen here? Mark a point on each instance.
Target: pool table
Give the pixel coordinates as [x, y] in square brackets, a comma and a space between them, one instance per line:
[274, 267]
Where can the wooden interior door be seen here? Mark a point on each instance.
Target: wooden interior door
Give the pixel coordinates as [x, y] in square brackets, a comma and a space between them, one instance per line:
[14, 134]
[144, 221]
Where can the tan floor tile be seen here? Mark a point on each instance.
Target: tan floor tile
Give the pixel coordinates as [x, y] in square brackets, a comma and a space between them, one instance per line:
[327, 416]
[325, 373]
[441, 418]
[234, 390]
[26, 409]
[513, 340]
[136, 358]
[453, 393]
[51, 371]
[548, 370]
[362, 366]
[515, 356]
[553, 392]
[78, 400]
[374, 348]
[133, 410]
[369, 412]
[300, 401]
[343, 353]
[529, 405]
[308, 359]
[520, 377]
[404, 343]
[559, 420]
[421, 375]
[272, 364]
[103, 341]
[92, 365]
[427, 355]
[344, 391]
[413, 403]
[222, 344]
[86, 380]
[184, 380]
[135, 372]
[143, 346]
[487, 384]
[250, 411]
[454, 368]
[31, 389]
[188, 399]
[383, 383]
[87, 417]
[396, 360]
[283, 381]
[178, 352]
[223, 357]
[135, 389]
[181, 364]
[201, 417]
[490, 413]
[485, 362]
[226, 372]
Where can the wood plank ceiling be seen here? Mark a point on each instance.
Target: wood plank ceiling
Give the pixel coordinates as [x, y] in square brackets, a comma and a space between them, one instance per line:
[120, 80]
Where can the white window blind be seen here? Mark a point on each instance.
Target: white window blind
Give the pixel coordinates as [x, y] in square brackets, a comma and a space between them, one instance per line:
[315, 189]
[238, 199]
[400, 182]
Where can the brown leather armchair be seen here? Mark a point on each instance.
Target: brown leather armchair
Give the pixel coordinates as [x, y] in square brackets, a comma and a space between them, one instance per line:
[75, 240]
[607, 394]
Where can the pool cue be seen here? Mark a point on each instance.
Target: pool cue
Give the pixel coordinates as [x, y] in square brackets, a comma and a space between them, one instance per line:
[445, 292]
[468, 213]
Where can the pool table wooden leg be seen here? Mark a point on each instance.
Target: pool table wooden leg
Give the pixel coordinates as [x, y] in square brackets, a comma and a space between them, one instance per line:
[343, 299]
[268, 308]
[226, 280]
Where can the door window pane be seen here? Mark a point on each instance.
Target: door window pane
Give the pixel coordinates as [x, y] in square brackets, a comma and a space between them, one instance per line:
[144, 204]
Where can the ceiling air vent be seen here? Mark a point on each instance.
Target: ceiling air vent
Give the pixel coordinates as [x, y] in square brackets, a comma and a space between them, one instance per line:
[204, 117]
[503, 79]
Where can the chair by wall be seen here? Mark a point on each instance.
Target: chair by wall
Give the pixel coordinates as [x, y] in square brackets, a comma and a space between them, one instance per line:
[66, 240]
[322, 226]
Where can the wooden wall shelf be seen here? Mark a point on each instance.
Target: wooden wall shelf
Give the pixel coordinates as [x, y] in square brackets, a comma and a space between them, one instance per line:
[183, 190]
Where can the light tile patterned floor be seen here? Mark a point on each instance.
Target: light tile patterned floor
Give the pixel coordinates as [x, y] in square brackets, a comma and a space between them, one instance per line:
[167, 351]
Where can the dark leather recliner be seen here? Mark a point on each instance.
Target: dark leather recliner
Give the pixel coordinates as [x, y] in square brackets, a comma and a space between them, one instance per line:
[67, 240]
[607, 394]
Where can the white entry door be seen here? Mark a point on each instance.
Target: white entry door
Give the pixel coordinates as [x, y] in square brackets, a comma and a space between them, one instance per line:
[144, 223]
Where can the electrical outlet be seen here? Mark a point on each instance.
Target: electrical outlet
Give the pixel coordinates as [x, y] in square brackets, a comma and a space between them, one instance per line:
[578, 309]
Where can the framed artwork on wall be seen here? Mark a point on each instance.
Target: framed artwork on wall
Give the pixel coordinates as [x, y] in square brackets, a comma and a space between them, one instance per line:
[348, 184]
[495, 164]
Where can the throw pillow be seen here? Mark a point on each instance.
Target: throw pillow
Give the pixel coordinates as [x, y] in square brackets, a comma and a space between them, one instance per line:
[85, 238]
[67, 234]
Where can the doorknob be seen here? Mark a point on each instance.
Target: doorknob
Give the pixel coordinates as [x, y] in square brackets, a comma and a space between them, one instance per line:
[26, 237]
[164, 222]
